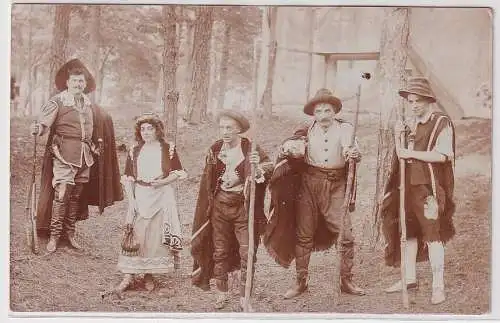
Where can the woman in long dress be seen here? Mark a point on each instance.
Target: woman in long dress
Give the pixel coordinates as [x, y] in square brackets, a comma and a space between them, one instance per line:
[151, 168]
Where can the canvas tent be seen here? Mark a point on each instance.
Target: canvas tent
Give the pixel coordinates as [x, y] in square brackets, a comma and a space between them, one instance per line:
[457, 58]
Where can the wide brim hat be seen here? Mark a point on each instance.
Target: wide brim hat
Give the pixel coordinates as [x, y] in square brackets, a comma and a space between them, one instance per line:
[419, 86]
[238, 117]
[323, 96]
[63, 75]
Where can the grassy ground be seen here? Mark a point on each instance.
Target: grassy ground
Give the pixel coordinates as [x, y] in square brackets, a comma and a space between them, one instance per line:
[72, 281]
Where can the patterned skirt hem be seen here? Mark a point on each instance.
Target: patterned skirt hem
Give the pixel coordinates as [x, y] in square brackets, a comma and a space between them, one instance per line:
[139, 265]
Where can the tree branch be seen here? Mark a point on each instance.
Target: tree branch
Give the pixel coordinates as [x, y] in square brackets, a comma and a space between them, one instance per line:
[105, 58]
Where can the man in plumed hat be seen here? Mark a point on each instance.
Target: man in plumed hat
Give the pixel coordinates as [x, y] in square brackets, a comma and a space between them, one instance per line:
[429, 204]
[219, 243]
[80, 165]
[307, 194]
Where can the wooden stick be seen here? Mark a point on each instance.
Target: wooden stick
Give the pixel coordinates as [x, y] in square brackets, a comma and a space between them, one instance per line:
[100, 166]
[347, 197]
[31, 206]
[251, 209]
[34, 235]
[402, 222]
[345, 210]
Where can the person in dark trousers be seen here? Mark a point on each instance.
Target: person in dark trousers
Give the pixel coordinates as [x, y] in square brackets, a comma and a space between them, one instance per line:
[308, 188]
[70, 172]
[220, 228]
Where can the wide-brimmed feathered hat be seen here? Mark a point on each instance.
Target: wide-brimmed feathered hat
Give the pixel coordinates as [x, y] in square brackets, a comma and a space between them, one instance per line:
[63, 75]
[323, 96]
[419, 86]
[238, 117]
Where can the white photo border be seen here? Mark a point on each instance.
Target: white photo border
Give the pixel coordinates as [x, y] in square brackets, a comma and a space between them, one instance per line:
[214, 317]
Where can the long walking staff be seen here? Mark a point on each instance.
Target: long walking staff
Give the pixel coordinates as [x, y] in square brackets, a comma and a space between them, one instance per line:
[347, 197]
[100, 166]
[402, 216]
[251, 208]
[31, 206]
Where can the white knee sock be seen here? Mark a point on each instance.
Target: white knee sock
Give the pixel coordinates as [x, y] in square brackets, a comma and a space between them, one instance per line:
[436, 257]
[411, 260]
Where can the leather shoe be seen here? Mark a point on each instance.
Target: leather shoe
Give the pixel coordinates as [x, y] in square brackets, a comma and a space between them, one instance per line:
[149, 282]
[52, 245]
[437, 296]
[222, 300]
[347, 286]
[72, 241]
[296, 290]
[397, 287]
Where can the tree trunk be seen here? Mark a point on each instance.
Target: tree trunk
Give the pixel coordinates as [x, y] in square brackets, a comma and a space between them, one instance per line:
[224, 66]
[267, 96]
[201, 65]
[257, 49]
[160, 88]
[214, 69]
[311, 12]
[179, 12]
[60, 35]
[95, 47]
[170, 94]
[101, 73]
[188, 73]
[30, 63]
[393, 56]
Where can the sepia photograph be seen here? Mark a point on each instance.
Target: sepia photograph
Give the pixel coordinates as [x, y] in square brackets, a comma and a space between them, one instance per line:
[264, 159]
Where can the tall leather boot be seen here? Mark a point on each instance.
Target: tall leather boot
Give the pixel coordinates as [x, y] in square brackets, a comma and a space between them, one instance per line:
[73, 211]
[302, 257]
[346, 283]
[59, 210]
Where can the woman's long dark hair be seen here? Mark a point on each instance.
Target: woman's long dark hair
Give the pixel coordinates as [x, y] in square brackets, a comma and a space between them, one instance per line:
[159, 130]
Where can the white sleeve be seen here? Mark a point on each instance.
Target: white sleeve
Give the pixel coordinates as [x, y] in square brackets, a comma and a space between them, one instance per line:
[444, 142]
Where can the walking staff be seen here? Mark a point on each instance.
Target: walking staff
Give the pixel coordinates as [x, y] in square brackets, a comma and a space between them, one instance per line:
[219, 244]
[251, 206]
[308, 192]
[425, 192]
[348, 193]
[402, 213]
[71, 180]
[31, 233]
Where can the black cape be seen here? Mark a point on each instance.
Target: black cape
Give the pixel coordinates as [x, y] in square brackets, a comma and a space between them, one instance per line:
[92, 193]
[202, 248]
[280, 234]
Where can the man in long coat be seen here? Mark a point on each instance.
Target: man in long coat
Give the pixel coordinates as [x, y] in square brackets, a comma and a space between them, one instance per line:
[80, 165]
[307, 194]
[429, 204]
[219, 244]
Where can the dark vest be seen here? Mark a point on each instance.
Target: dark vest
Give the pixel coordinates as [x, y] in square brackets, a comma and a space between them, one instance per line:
[241, 170]
[167, 164]
[418, 171]
[68, 131]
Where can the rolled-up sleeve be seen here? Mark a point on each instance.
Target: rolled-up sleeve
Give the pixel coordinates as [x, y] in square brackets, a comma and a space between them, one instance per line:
[444, 142]
[346, 137]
